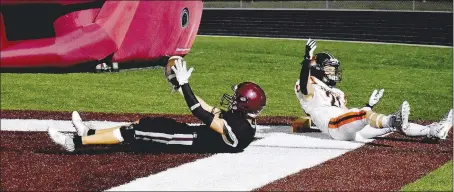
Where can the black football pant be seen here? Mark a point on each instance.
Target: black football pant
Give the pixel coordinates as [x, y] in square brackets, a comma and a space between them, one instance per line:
[167, 131]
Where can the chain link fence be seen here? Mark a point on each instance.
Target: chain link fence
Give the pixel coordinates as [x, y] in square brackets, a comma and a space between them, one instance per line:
[399, 5]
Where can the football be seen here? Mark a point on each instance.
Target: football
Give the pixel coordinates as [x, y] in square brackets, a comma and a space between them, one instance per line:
[169, 74]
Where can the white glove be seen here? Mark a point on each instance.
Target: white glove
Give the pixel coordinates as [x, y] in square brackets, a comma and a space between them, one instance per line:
[181, 72]
[375, 97]
[311, 45]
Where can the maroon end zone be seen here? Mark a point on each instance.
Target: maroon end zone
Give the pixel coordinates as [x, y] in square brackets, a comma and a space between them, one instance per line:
[30, 161]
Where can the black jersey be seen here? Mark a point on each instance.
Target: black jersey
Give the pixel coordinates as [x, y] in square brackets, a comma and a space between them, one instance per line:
[238, 132]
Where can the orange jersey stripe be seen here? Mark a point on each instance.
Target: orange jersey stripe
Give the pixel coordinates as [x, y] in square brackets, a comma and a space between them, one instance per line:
[335, 123]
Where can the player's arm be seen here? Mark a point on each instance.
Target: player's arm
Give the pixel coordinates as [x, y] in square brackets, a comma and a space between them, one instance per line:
[203, 104]
[198, 107]
[305, 81]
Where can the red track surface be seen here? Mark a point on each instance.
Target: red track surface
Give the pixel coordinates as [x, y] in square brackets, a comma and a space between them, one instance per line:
[30, 161]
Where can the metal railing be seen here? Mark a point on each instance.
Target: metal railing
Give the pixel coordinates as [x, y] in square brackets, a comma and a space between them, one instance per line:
[396, 5]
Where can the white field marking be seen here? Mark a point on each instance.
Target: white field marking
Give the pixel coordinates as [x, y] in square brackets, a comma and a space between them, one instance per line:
[346, 41]
[278, 154]
[266, 160]
[42, 125]
[66, 125]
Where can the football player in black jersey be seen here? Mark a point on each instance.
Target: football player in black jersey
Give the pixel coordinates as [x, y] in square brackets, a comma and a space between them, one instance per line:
[229, 130]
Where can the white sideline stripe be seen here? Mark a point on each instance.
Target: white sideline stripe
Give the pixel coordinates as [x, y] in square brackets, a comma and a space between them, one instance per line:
[277, 155]
[266, 160]
[41, 125]
[346, 41]
[66, 125]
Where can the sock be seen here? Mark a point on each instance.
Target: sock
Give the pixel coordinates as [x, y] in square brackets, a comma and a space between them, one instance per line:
[77, 141]
[416, 130]
[91, 132]
[118, 135]
[386, 121]
[378, 120]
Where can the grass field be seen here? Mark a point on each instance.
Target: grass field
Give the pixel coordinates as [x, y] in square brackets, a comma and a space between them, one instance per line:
[421, 75]
[438, 180]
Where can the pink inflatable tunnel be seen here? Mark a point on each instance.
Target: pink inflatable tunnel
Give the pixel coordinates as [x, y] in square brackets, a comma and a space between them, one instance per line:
[113, 31]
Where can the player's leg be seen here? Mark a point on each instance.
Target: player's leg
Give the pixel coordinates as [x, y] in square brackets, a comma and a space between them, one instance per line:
[416, 130]
[159, 130]
[70, 142]
[81, 128]
[164, 130]
[345, 126]
[441, 129]
[84, 130]
[99, 131]
[397, 120]
[437, 130]
[369, 132]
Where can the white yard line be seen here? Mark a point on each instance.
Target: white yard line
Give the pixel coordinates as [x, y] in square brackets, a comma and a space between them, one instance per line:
[277, 155]
[42, 125]
[346, 41]
[266, 160]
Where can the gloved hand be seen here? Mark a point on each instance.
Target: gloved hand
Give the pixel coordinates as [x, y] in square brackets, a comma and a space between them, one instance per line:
[311, 45]
[375, 97]
[181, 72]
[170, 75]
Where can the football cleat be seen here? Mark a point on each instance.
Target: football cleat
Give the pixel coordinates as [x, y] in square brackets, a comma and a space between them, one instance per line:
[65, 141]
[81, 128]
[441, 129]
[399, 119]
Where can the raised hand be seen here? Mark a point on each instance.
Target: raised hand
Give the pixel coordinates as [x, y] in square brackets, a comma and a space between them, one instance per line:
[181, 72]
[311, 45]
[375, 97]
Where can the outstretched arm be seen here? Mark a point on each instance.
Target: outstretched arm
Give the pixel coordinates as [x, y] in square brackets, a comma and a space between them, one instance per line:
[203, 104]
[198, 107]
[305, 83]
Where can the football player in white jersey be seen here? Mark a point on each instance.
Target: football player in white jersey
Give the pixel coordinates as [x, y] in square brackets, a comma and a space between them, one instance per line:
[326, 105]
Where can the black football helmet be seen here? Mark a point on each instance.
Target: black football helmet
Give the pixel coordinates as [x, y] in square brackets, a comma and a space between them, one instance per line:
[327, 69]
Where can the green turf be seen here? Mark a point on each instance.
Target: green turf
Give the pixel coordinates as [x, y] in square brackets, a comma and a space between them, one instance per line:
[421, 75]
[438, 180]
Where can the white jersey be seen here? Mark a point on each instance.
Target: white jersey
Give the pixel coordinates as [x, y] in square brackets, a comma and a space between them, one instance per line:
[325, 104]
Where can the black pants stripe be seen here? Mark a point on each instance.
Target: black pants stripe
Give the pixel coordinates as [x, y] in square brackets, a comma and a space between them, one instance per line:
[166, 138]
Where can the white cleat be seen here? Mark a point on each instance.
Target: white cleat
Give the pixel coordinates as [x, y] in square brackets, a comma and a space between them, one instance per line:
[81, 128]
[441, 129]
[61, 139]
[400, 122]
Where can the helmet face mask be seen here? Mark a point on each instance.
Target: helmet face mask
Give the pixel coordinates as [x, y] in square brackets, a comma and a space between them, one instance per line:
[327, 69]
[247, 98]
